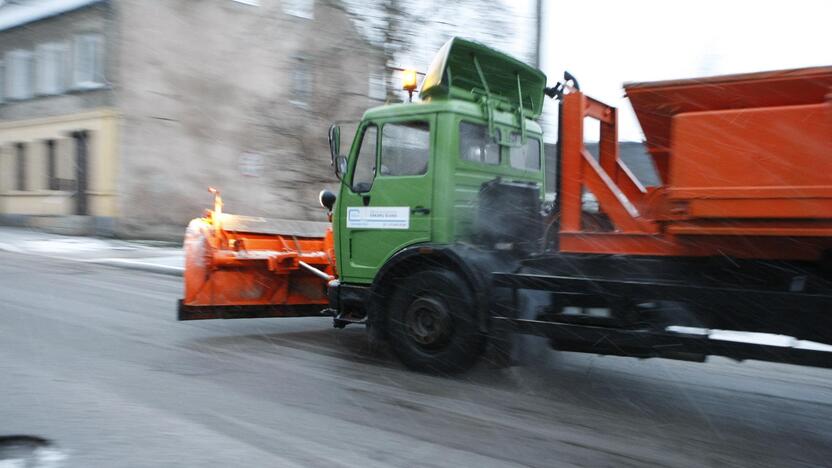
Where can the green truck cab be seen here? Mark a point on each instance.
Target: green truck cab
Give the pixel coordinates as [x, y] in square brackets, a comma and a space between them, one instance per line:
[413, 171]
[410, 191]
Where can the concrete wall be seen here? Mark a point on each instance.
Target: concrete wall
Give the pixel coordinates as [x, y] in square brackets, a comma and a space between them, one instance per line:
[207, 98]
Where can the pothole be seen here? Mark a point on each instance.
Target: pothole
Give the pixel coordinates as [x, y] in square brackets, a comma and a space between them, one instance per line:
[26, 451]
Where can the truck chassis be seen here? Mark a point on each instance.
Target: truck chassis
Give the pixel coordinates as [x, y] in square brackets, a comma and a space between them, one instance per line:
[701, 294]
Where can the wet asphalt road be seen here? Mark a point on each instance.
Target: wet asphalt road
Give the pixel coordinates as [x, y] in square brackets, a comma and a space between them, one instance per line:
[91, 357]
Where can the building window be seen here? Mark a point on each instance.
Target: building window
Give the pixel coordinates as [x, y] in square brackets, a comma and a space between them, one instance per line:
[82, 145]
[89, 61]
[51, 166]
[51, 68]
[21, 167]
[301, 82]
[64, 179]
[300, 8]
[19, 74]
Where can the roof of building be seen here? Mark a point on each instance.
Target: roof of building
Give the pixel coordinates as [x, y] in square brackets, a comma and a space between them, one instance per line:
[18, 13]
[633, 153]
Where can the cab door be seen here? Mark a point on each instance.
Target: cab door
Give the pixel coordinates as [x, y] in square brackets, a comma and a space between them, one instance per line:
[386, 202]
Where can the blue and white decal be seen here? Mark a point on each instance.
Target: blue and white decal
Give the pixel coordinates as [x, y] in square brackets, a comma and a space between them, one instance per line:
[378, 217]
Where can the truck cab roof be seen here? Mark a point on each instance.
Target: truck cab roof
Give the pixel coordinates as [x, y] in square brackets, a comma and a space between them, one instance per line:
[471, 71]
[455, 106]
[469, 78]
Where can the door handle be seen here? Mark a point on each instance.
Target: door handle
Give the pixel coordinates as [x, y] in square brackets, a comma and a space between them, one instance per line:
[420, 210]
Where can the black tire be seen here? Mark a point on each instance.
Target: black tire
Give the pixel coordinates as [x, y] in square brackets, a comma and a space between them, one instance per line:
[432, 323]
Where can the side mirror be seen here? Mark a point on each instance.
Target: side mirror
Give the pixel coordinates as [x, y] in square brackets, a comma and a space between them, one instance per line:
[334, 142]
[338, 161]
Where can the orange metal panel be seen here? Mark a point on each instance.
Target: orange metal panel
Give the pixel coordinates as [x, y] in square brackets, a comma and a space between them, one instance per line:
[655, 103]
[755, 229]
[571, 173]
[761, 148]
[757, 247]
[760, 208]
[743, 193]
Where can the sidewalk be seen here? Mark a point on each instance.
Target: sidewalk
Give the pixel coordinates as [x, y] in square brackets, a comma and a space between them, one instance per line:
[157, 257]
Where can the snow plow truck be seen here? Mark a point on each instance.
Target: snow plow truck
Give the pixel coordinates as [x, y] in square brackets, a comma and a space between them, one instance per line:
[442, 240]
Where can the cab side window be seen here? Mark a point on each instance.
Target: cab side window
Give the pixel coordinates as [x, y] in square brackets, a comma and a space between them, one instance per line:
[365, 165]
[476, 145]
[405, 149]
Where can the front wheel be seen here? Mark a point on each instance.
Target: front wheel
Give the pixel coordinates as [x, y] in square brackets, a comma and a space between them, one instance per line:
[432, 322]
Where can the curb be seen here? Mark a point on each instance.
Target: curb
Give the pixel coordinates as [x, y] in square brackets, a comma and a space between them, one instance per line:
[130, 264]
[124, 263]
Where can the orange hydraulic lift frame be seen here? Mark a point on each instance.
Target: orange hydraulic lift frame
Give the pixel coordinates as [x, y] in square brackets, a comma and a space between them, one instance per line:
[745, 163]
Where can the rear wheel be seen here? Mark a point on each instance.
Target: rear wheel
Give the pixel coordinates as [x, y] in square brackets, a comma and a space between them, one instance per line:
[432, 323]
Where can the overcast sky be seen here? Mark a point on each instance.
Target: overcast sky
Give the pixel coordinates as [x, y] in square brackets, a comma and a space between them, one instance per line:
[607, 42]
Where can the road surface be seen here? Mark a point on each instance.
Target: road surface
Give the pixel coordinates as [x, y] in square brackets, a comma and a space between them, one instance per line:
[91, 358]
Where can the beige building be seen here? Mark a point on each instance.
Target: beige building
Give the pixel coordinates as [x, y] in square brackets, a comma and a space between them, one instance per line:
[116, 115]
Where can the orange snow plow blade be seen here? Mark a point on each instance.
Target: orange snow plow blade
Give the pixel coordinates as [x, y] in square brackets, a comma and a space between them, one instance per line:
[249, 267]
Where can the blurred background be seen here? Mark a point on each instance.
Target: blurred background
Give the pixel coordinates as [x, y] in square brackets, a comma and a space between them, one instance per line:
[116, 115]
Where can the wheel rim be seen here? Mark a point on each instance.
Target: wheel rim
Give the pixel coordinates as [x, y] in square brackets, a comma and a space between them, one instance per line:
[429, 322]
